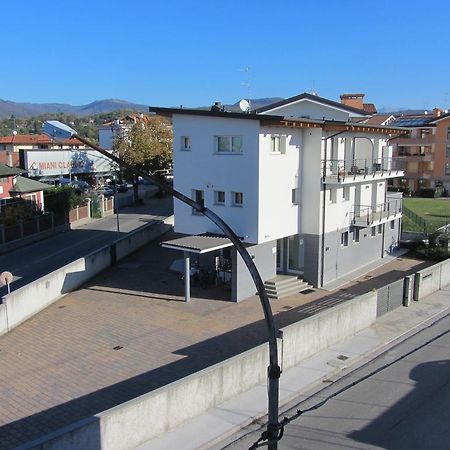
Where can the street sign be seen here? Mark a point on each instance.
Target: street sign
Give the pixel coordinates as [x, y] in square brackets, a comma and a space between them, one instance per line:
[6, 278]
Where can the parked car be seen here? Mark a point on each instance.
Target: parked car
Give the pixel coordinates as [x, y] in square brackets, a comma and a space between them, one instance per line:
[122, 187]
[107, 191]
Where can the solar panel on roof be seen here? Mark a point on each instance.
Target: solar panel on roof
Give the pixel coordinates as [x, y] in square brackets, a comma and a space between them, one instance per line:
[409, 122]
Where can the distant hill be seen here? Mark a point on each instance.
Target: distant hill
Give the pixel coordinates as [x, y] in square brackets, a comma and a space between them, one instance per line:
[9, 108]
[26, 110]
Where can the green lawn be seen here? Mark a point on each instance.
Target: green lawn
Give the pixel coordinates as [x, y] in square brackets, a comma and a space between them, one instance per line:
[435, 213]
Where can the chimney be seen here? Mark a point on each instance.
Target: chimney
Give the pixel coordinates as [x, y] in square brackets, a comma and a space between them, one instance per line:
[437, 112]
[353, 100]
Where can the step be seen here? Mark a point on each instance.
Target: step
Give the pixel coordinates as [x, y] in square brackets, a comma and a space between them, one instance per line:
[287, 288]
[285, 292]
[284, 286]
[281, 280]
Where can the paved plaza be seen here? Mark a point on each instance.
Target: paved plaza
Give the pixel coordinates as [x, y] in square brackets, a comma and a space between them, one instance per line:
[128, 332]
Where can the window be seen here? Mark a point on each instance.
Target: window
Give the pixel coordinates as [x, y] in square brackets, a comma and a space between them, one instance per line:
[229, 144]
[356, 235]
[219, 197]
[425, 132]
[373, 231]
[185, 143]
[346, 193]
[448, 134]
[344, 239]
[392, 224]
[278, 144]
[333, 195]
[199, 196]
[379, 229]
[238, 198]
[296, 196]
[447, 151]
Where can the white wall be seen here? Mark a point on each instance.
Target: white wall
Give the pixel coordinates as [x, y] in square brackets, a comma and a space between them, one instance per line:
[278, 175]
[311, 191]
[310, 109]
[201, 168]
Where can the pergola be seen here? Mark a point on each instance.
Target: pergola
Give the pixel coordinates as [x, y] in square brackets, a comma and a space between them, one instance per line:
[195, 244]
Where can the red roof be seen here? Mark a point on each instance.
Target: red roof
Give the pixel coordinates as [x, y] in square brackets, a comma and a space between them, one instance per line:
[34, 139]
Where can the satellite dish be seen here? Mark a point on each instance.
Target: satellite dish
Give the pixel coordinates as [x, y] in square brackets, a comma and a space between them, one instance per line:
[244, 105]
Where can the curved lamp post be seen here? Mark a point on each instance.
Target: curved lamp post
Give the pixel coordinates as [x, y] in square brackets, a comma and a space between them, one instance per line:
[58, 130]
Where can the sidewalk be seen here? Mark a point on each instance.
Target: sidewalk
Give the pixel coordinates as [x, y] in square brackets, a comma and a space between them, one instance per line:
[211, 429]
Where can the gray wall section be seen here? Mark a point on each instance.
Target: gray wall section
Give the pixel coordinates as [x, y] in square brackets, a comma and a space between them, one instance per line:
[265, 259]
[341, 260]
[311, 272]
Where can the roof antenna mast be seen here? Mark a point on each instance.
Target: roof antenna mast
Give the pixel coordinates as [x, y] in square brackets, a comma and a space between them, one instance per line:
[247, 84]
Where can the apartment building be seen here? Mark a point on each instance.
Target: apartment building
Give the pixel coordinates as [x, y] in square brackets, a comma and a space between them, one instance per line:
[426, 151]
[301, 181]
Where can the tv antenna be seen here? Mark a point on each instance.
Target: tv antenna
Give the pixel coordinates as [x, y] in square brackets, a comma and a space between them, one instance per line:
[247, 84]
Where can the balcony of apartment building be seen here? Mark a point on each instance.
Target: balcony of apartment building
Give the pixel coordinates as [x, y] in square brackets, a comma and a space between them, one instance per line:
[371, 215]
[345, 171]
[416, 153]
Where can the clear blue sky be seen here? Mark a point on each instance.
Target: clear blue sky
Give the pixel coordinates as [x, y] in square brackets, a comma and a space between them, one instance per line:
[170, 52]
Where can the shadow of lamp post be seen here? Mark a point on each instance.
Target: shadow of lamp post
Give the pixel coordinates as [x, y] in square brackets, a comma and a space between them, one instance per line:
[274, 432]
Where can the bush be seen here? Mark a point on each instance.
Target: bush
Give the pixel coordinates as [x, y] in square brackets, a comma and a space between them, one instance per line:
[431, 192]
[62, 199]
[433, 253]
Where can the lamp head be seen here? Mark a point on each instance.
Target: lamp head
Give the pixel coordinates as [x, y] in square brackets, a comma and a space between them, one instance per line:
[57, 130]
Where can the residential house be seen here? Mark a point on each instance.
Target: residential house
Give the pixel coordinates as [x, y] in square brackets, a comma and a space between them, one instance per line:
[13, 185]
[426, 150]
[301, 181]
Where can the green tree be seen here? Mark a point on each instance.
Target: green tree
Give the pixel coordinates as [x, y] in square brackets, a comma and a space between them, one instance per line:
[62, 199]
[147, 145]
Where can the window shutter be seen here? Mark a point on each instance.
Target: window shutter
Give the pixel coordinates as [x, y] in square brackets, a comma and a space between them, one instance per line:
[283, 145]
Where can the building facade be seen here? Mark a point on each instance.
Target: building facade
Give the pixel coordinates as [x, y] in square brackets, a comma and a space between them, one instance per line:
[302, 182]
[426, 151]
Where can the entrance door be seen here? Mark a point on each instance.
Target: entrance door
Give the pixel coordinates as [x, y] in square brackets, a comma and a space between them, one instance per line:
[280, 255]
[296, 254]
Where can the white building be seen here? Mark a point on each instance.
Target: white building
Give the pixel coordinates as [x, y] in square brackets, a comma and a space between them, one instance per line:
[301, 181]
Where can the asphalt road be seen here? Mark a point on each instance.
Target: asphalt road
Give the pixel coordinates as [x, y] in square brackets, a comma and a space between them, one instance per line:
[402, 406]
[36, 260]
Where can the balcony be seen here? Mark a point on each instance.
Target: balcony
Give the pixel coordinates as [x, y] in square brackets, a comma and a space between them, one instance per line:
[341, 171]
[416, 141]
[368, 216]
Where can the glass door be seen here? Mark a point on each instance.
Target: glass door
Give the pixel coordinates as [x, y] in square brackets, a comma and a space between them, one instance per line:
[296, 254]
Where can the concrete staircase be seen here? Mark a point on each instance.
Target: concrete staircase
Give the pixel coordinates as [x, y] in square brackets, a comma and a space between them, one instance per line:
[284, 285]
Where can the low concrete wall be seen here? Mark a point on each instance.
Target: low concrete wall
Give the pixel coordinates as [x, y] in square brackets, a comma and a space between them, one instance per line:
[431, 279]
[127, 425]
[28, 300]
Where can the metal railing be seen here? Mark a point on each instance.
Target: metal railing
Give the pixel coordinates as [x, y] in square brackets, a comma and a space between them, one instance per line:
[370, 214]
[343, 168]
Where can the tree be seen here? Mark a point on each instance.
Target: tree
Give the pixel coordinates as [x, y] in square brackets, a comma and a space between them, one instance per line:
[147, 145]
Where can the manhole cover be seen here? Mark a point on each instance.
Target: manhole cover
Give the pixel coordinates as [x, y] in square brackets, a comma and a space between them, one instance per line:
[342, 357]
[287, 307]
[117, 347]
[307, 291]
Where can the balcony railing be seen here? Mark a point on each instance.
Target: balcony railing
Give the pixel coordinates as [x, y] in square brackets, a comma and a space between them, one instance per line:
[367, 215]
[343, 168]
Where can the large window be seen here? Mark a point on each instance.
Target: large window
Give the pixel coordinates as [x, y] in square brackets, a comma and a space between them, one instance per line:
[344, 239]
[447, 169]
[228, 144]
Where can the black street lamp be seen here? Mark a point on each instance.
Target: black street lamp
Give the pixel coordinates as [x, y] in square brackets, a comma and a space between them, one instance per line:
[56, 129]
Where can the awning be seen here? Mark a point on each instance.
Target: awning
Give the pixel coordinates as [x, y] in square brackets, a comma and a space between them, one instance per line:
[198, 244]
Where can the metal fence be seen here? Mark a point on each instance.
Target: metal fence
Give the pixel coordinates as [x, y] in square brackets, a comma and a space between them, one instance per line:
[390, 297]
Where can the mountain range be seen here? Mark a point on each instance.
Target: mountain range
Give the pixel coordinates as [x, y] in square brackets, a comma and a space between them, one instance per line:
[26, 110]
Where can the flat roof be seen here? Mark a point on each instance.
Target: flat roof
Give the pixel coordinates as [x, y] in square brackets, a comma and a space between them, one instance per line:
[197, 244]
